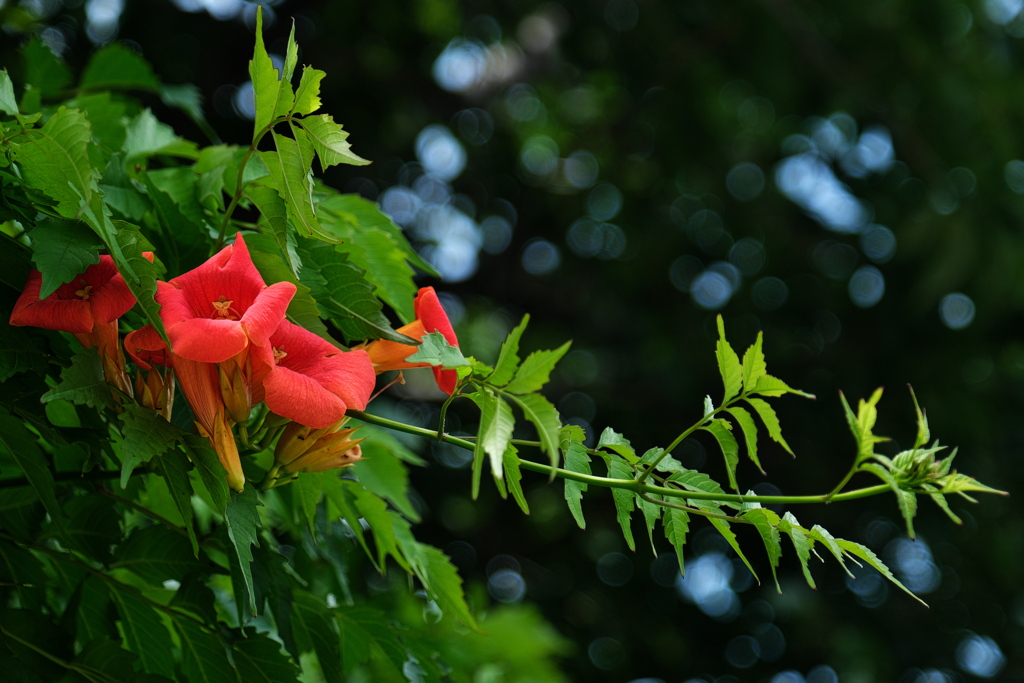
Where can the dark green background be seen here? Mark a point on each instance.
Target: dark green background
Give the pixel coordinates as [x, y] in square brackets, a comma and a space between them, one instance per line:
[681, 92]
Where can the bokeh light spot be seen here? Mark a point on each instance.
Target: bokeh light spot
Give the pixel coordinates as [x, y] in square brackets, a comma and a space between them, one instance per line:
[541, 257]
[615, 569]
[769, 293]
[956, 311]
[745, 181]
[711, 290]
[980, 656]
[604, 202]
[742, 652]
[440, 153]
[866, 286]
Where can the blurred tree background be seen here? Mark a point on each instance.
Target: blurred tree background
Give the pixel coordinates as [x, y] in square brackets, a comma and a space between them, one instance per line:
[846, 176]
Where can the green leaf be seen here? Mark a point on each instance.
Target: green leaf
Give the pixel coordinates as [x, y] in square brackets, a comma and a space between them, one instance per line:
[508, 357]
[770, 420]
[116, 66]
[203, 657]
[613, 441]
[620, 469]
[544, 417]
[907, 499]
[174, 467]
[275, 226]
[139, 273]
[535, 370]
[693, 480]
[146, 136]
[923, 432]
[341, 497]
[863, 423]
[765, 521]
[146, 435]
[725, 530]
[329, 139]
[858, 550]
[273, 97]
[754, 366]
[442, 581]
[728, 364]
[61, 250]
[19, 350]
[55, 159]
[435, 350]
[44, 71]
[721, 430]
[156, 554]
[495, 431]
[8, 102]
[315, 631]
[382, 472]
[766, 385]
[364, 632]
[243, 519]
[676, 524]
[211, 472]
[576, 460]
[374, 511]
[82, 382]
[290, 173]
[144, 632]
[746, 423]
[652, 513]
[308, 489]
[801, 543]
[819, 534]
[514, 476]
[307, 95]
[258, 659]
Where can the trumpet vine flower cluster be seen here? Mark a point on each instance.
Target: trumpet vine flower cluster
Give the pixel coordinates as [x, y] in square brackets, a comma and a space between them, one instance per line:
[231, 348]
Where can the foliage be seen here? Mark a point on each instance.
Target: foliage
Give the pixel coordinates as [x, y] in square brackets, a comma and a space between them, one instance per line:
[172, 575]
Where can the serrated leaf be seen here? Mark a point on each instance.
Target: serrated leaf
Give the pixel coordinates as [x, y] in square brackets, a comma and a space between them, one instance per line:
[273, 97]
[513, 475]
[676, 524]
[243, 520]
[55, 160]
[203, 657]
[139, 273]
[374, 511]
[44, 71]
[766, 385]
[652, 513]
[493, 435]
[211, 472]
[801, 544]
[863, 423]
[82, 382]
[439, 577]
[765, 521]
[770, 420]
[613, 441]
[144, 633]
[923, 432]
[576, 460]
[315, 631]
[907, 499]
[307, 490]
[508, 358]
[754, 366]
[146, 435]
[341, 497]
[434, 349]
[276, 226]
[749, 429]
[382, 472]
[146, 136]
[307, 95]
[620, 469]
[728, 364]
[864, 553]
[721, 430]
[943, 504]
[258, 658]
[364, 632]
[156, 554]
[290, 174]
[61, 250]
[117, 66]
[539, 411]
[818, 533]
[534, 372]
[330, 141]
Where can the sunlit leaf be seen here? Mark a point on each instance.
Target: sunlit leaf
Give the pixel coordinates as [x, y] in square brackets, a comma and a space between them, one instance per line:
[864, 553]
[508, 358]
[576, 460]
[728, 364]
[721, 430]
[307, 95]
[613, 441]
[544, 417]
[55, 159]
[801, 544]
[273, 96]
[435, 350]
[766, 522]
[749, 429]
[676, 524]
[754, 367]
[907, 499]
[534, 372]
[620, 469]
[770, 420]
[330, 141]
[514, 476]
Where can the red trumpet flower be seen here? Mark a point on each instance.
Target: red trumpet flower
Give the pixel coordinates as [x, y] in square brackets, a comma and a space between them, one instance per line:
[430, 317]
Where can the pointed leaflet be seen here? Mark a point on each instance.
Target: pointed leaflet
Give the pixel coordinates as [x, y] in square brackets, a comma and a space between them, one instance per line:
[508, 358]
[20, 445]
[8, 102]
[801, 543]
[82, 382]
[514, 476]
[203, 657]
[544, 417]
[721, 429]
[728, 364]
[652, 513]
[754, 367]
[274, 226]
[383, 472]
[771, 421]
[533, 374]
[857, 550]
[374, 511]
[146, 435]
[315, 632]
[676, 524]
[907, 499]
[436, 350]
[117, 66]
[258, 659]
[62, 249]
[144, 632]
[613, 441]
[307, 491]
[620, 469]
[766, 521]
[146, 136]
[576, 460]
[749, 429]
[330, 140]
[290, 172]
[243, 519]
[493, 435]
[766, 385]
[819, 534]
[307, 95]
[139, 273]
[862, 423]
[211, 472]
[273, 97]
[341, 496]
[923, 432]
[56, 160]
